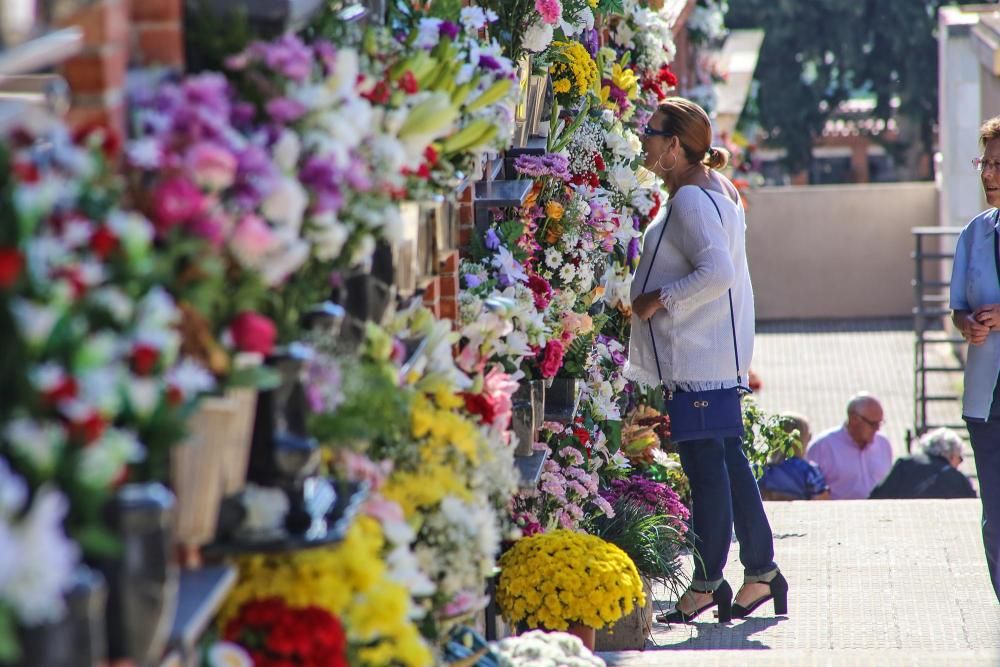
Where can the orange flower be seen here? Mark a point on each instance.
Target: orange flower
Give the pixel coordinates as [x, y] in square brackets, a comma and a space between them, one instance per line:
[553, 233]
[554, 210]
[532, 197]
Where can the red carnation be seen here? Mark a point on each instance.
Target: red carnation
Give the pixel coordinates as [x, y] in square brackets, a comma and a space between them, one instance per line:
[599, 162]
[144, 358]
[252, 332]
[11, 262]
[103, 242]
[482, 405]
[553, 359]
[431, 156]
[582, 435]
[379, 94]
[541, 290]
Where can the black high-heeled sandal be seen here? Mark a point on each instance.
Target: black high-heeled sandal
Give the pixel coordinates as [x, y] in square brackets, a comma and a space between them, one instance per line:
[722, 598]
[779, 593]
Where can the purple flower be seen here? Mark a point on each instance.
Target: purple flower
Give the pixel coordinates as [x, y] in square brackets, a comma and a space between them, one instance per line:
[492, 240]
[591, 41]
[489, 62]
[649, 495]
[285, 110]
[550, 164]
[448, 29]
[472, 280]
[633, 251]
[288, 56]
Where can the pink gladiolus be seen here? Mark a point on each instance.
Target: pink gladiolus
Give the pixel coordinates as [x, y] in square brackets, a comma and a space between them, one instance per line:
[550, 10]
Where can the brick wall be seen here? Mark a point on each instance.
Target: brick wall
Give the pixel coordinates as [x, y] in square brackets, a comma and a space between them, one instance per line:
[118, 34]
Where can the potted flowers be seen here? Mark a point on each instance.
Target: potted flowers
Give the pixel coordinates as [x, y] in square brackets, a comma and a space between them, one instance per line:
[563, 580]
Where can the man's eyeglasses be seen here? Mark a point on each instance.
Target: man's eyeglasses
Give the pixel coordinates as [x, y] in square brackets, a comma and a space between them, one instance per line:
[871, 422]
[653, 132]
[982, 164]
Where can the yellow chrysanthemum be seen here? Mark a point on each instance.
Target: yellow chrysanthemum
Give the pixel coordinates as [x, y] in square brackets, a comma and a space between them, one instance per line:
[350, 581]
[556, 578]
[561, 86]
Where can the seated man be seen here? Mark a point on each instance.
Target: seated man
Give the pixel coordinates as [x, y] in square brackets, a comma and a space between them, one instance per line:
[855, 457]
[792, 477]
[931, 474]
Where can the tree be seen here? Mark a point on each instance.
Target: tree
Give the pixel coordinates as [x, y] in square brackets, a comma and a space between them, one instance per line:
[817, 54]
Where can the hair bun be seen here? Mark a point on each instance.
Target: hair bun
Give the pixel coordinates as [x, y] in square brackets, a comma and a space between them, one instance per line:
[717, 158]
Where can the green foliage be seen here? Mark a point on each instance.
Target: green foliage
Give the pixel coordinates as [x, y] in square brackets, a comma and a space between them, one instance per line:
[210, 36]
[819, 53]
[10, 651]
[671, 473]
[765, 436]
[649, 540]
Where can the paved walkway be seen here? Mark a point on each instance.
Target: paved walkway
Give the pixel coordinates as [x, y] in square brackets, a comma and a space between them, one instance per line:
[878, 583]
[814, 367]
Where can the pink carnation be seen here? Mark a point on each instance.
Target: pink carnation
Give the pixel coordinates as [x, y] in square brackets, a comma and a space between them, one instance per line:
[550, 10]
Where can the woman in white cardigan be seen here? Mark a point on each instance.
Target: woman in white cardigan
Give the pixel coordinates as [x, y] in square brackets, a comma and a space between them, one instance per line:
[687, 277]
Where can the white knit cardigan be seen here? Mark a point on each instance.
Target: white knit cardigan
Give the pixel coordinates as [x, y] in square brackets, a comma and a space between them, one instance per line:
[700, 258]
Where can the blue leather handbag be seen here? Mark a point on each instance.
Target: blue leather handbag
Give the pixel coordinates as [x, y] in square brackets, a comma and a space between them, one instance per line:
[702, 415]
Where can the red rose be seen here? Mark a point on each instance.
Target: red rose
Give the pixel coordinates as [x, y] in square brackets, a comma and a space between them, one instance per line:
[379, 94]
[252, 332]
[144, 358]
[89, 429]
[103, 242]
[553, 359]
[176, 200]
[408, 83]
[11, 262]
[26, 171]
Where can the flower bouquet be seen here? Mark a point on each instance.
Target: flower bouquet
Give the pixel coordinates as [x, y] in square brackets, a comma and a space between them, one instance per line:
[545, 649]
[562, 579]
[274, 634]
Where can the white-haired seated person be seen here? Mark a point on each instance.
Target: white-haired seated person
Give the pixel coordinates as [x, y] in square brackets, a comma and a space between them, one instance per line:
[933, 473]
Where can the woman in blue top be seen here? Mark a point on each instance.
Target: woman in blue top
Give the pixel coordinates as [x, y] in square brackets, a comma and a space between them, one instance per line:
[975, 302]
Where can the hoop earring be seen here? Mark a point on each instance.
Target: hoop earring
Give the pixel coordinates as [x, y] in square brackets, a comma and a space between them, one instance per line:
[660, 164]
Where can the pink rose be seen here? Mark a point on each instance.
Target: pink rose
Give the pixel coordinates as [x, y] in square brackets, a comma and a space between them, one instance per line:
[176, 200]
[252, 240]
[252, 332]
[212, 166]
[553, 359]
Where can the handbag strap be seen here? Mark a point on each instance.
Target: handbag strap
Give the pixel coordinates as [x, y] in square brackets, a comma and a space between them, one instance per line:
[652, 338]
[732, 317]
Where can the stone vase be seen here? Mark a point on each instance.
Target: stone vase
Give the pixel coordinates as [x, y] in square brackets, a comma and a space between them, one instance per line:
[143, 580]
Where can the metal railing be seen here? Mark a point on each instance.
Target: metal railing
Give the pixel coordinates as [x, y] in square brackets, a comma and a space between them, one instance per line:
[932, 257]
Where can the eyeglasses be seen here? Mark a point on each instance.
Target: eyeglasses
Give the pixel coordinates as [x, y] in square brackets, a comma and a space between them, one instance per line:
[871, 422]
[982, 164]
[653, 132]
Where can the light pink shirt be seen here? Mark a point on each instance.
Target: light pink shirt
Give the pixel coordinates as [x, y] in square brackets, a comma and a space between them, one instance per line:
[850, 471]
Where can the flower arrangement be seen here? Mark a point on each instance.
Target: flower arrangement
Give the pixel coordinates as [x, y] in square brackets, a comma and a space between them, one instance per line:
[574, 72]
[350, 582]
[275, 634]
[561, 577]
[95, 381]
[37, 560]
[545, 649]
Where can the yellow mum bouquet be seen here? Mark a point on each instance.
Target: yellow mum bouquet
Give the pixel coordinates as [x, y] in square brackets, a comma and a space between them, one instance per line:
[574, 73]
[553, 579]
